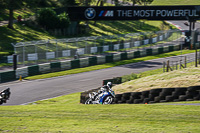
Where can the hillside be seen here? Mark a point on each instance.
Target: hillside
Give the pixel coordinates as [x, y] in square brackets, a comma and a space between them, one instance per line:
[178, 78]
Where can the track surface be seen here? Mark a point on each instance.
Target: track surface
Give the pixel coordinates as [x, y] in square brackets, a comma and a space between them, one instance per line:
[30, 91]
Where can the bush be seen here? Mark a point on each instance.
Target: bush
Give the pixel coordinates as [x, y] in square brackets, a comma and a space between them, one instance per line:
[63, 21]
[47, 18]
[126, 78]
[50, 20]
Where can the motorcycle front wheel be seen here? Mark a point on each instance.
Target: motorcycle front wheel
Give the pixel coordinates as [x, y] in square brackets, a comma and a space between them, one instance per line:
[108, 100]
[89, 101]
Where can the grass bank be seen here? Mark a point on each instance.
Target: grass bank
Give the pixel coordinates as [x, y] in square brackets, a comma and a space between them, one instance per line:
[156, 79]
[107, 65]
[65, 114]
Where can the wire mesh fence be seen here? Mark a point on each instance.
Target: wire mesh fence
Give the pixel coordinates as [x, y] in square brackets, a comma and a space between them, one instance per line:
[182, 62]
[35, 52]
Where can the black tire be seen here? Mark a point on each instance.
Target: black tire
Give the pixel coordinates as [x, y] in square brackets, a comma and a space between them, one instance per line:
[189, 99]
[197, 97]
[169, 98]
[155, 91]
[182, 97]
[166, 91]
[136, 95]
[88, 101]
[151, 102]
[176, 100]
[181, 89]
[137, 101]
[126, 95]
[152, 96]
[193, 88]
[123, 99]
[129, 101]
[145, 93]
[163, 101]
[146, 100]
[118, 96]
[159, 98]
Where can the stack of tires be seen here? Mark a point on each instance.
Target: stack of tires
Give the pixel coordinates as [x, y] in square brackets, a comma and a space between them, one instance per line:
[159, 95]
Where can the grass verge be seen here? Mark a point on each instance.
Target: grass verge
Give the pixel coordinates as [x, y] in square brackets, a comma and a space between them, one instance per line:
[107, 65]
[65, 114]
[151, 80]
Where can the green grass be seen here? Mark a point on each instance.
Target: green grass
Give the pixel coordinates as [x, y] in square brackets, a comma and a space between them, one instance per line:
[65, 114]
[107, 65]
[8, 36]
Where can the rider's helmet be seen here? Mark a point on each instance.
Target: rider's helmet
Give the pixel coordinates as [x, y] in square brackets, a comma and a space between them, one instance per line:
[109, 84]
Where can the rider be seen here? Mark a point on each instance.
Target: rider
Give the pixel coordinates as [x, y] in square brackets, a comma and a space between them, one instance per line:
[105, 88]
[7, 93]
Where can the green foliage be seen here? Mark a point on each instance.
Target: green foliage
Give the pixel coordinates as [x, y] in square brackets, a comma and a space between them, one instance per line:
[63, 21]
[47, 18]
[126, 78]
[68, 2]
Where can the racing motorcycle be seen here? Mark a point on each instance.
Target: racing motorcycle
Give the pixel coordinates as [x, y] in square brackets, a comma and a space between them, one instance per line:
[103, 97]
[4, 95]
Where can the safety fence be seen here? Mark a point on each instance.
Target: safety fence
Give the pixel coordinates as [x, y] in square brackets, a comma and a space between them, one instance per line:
[82, 62]
[153, 96]
[182, 62]
[35, 52]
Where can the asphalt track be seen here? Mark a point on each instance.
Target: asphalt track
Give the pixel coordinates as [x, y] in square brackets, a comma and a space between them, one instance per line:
[29, 91]
[23, 92]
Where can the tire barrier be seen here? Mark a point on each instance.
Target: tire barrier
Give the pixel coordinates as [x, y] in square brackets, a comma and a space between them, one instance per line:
[159, 95]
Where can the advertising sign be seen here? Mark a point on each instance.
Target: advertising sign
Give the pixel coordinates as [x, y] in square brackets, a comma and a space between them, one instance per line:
[135, 13]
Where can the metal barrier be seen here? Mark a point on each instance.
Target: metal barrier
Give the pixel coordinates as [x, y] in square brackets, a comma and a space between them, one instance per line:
[35, 52]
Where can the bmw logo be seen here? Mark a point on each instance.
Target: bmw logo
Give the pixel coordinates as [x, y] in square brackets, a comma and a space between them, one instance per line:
[90, 13]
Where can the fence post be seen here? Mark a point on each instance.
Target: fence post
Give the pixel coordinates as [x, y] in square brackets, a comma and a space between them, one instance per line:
[185, 62]
[196, 56]
[180, 64]
[168, 66]
[199, 56]
[163, 66]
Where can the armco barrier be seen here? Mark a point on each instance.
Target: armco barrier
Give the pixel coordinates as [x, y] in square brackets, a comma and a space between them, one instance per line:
[7, 76]
[55, 66]
[23, 72]
[84, 62]
[33, 70]
[44, 68]
[75, 63]
[65, 65]
[124, 56]
[92, 61]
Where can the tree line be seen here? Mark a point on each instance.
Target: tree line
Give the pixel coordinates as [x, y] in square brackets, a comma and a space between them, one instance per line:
[13, 5]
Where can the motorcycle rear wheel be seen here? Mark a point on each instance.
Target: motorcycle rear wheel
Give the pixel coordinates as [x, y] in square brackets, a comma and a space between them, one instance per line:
[89, 101]
[108, 100]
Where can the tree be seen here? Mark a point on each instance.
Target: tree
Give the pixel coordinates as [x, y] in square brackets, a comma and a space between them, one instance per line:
[145, 2]
[47, 18]
[68, 2]
[141, 2]
[12, 5]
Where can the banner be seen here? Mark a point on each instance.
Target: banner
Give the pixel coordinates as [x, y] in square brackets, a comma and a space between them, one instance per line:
[135, 13]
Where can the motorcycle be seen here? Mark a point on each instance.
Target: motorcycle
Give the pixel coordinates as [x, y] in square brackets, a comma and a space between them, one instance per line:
[4, 95]
[105, 97]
